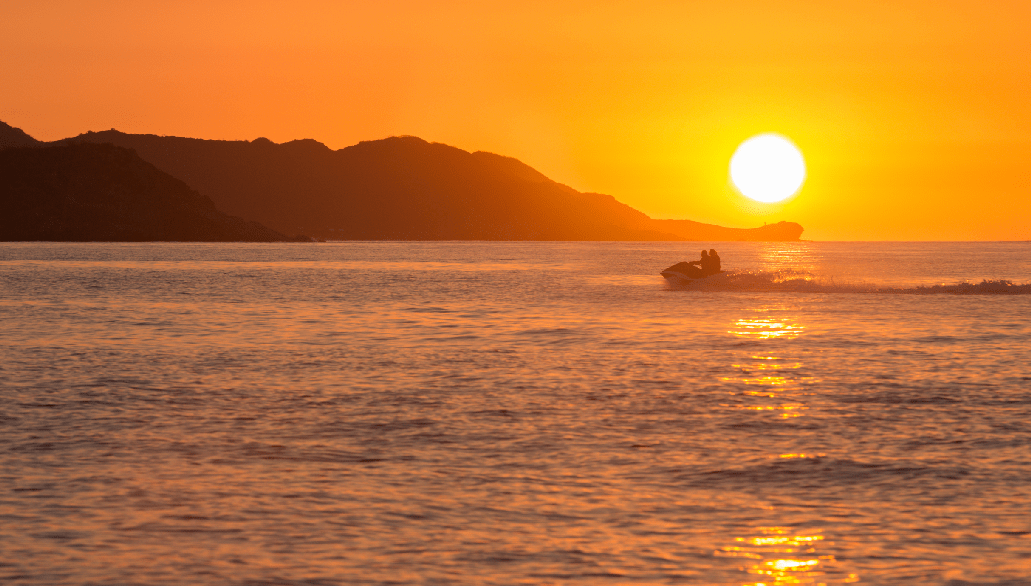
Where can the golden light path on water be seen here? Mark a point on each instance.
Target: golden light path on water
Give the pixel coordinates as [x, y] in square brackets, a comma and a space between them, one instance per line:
[769, 375]
[775, 555]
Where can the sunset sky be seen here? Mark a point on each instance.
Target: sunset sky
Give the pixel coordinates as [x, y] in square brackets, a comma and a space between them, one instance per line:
[914, 117]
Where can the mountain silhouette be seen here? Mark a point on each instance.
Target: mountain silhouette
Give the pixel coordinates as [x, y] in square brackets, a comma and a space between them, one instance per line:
[101, 192]
[15, 137]
[403, 188]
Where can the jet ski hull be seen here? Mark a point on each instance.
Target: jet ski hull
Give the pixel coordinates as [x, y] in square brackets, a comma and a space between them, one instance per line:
[683, 273]
[676, 277]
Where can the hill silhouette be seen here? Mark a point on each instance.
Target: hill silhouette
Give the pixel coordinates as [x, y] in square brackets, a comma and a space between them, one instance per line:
[100, 192]
[404, 188]
[15, 137]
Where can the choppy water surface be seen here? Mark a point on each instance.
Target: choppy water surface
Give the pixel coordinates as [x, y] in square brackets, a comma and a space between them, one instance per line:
[510, 413]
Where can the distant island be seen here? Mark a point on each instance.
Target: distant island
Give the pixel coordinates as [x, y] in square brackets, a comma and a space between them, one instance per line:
[398, 188]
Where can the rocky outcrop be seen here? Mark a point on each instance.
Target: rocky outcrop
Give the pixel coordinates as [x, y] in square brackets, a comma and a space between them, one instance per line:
[698, 231]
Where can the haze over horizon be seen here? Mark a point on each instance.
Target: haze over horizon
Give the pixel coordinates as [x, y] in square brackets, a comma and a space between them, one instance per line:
[912, 116]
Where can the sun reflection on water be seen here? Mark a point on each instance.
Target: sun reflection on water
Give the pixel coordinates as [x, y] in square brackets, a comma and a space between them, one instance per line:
[766, 328]
[798, 256]
[777, 556]
[773, 381]
[767, 375]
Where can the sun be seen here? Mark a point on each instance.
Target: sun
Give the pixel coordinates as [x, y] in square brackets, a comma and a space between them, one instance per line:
[767, 168]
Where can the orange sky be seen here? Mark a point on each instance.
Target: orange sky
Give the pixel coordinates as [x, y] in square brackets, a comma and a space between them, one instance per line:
[914, 116]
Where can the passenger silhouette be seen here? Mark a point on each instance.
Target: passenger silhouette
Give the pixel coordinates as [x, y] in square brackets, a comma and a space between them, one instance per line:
[714, 263]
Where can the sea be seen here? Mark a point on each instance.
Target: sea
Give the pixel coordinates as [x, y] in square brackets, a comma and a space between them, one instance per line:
[499, 413]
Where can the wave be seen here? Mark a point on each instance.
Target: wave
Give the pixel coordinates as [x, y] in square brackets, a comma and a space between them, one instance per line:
[803, 282]
[823, 473]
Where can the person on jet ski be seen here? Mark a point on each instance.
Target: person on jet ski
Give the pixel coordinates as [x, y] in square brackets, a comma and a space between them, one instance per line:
[708, 265]
[696, 268]
[714, 266]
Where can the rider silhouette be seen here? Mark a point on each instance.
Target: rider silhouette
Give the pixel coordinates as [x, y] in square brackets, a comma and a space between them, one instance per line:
[708, 265]
[696, 268]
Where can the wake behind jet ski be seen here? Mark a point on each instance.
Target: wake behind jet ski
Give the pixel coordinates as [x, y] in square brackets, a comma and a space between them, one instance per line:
[686, 272]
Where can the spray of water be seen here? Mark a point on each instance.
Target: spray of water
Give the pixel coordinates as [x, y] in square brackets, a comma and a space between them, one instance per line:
[803, 282]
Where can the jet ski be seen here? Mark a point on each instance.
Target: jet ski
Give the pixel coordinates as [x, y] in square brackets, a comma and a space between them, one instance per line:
[683, 273]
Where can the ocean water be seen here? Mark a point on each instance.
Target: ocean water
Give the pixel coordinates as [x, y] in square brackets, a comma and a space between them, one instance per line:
[514, 413]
